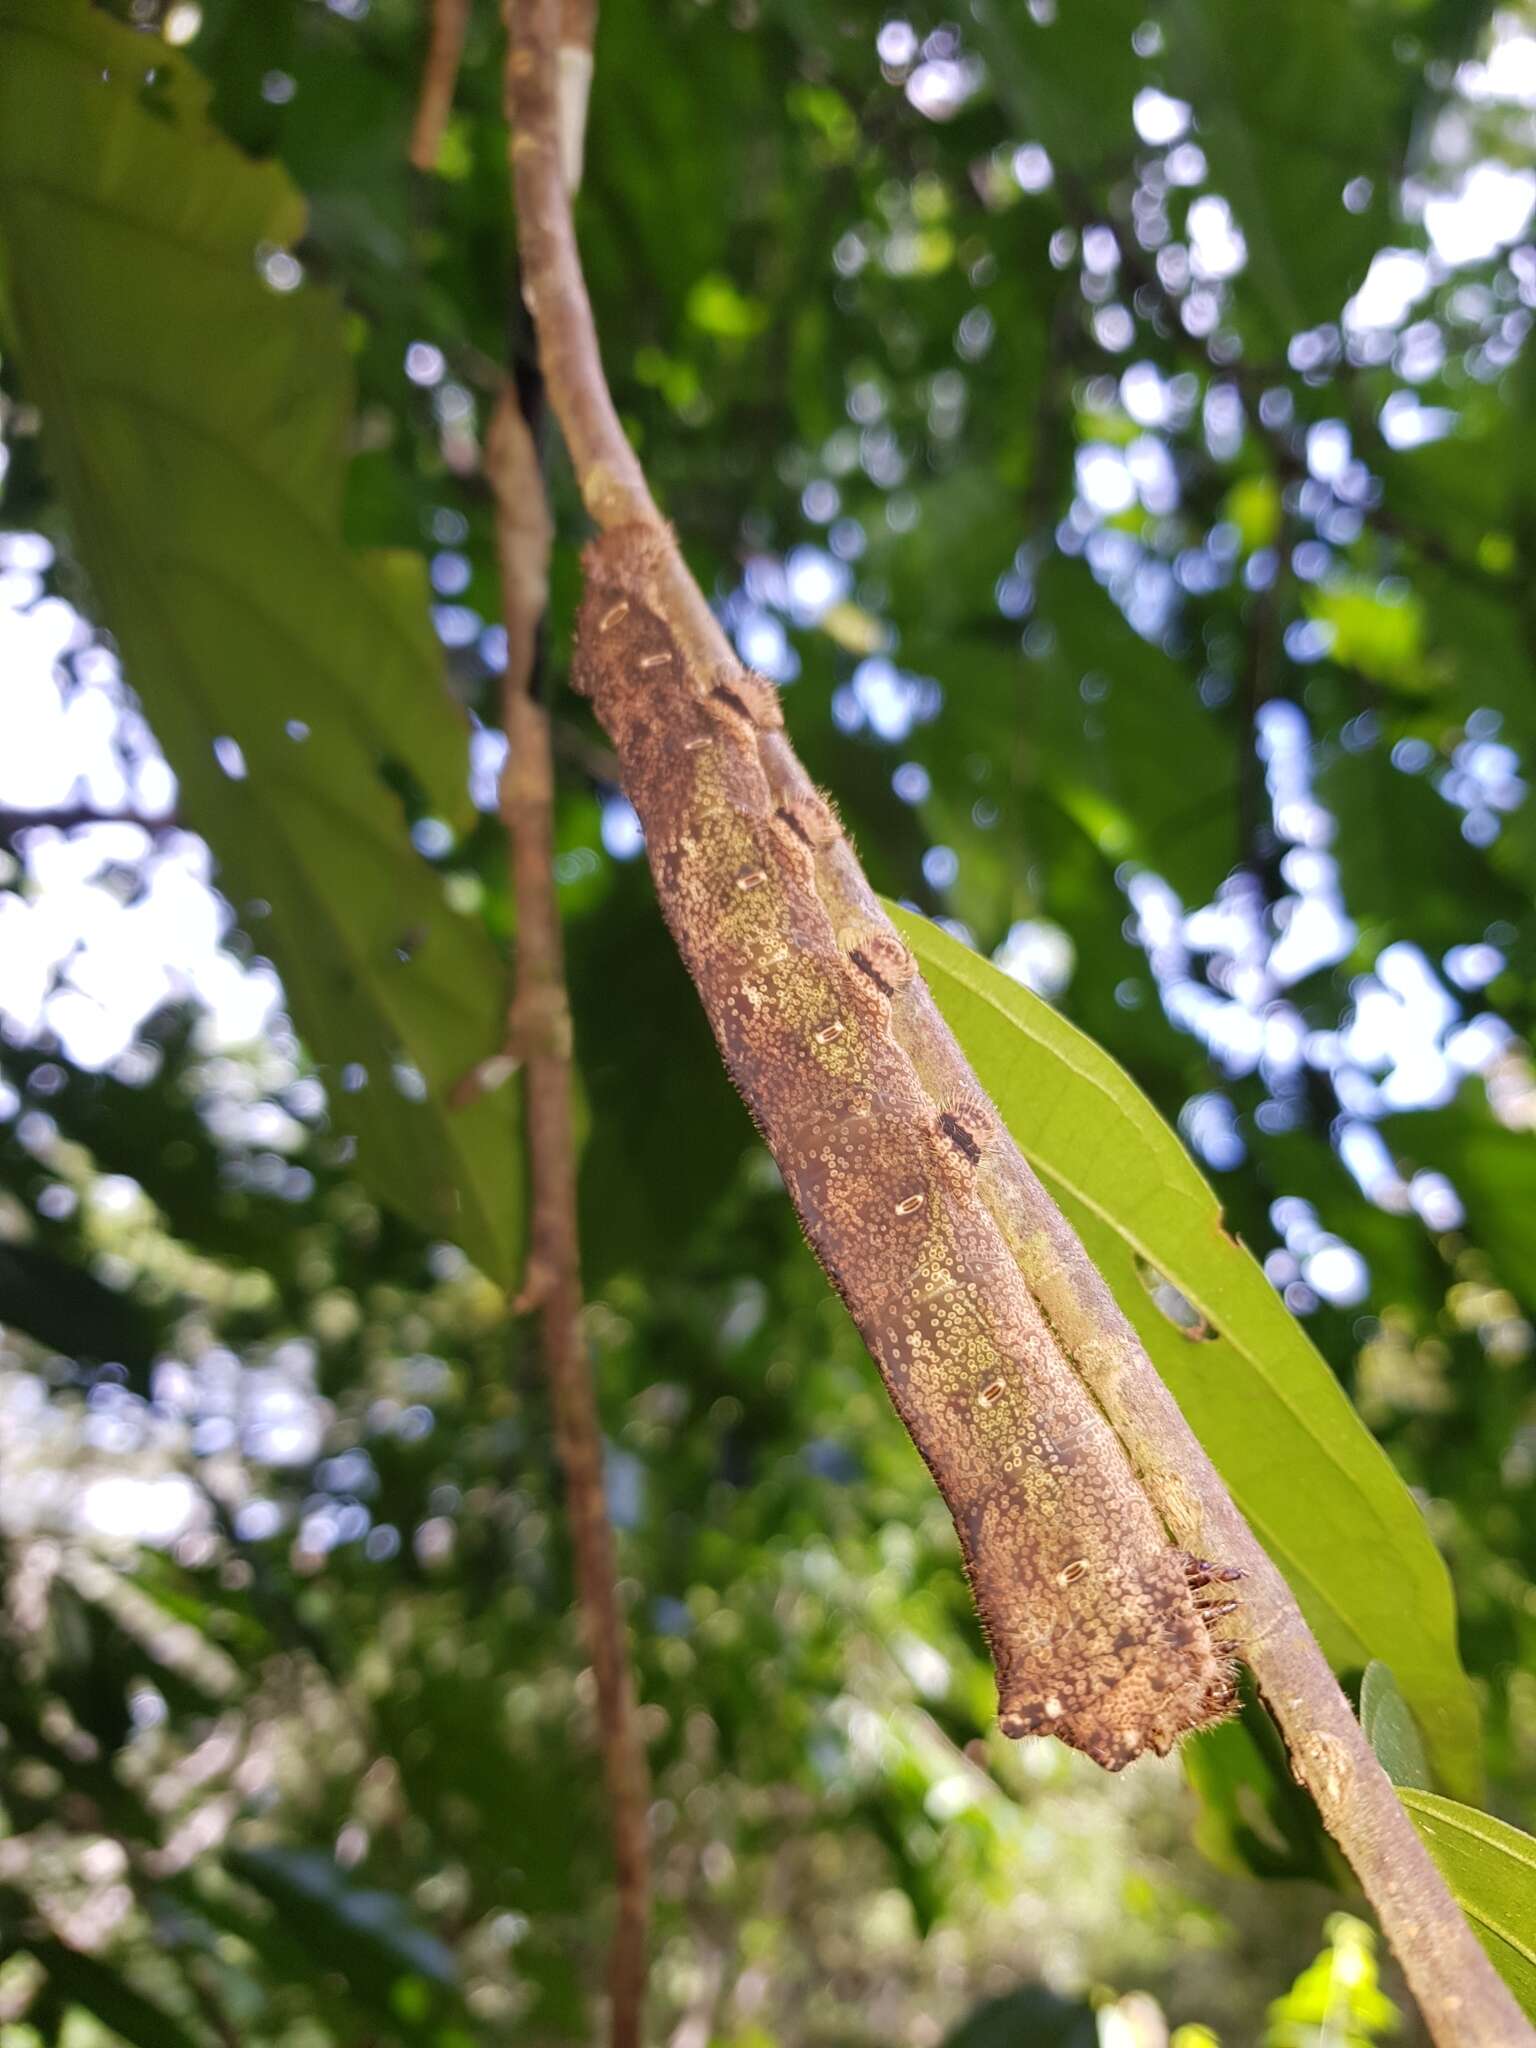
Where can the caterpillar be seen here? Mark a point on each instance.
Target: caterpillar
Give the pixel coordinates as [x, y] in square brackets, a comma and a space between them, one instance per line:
[1089, 1610]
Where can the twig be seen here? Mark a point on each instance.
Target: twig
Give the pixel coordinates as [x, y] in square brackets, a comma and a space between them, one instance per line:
[539, 1032]
[539, 1027]
[1265, 624]
[1464, 2003]
[445, 51]
[613, 486]
[70, 817]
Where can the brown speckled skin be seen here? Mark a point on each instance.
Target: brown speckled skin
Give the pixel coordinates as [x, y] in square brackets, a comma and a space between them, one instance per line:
[1087, 1607]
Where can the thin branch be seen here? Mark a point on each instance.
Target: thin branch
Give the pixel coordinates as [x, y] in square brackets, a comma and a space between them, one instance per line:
[1265, 643]
[71, 817]
[1464, 2003]
[539, 1029]
[539, 1035]
[445, 52]
[612, 484]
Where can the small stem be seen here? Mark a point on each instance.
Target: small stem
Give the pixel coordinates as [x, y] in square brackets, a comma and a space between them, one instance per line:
[1464, 2003]
[539, 1029]
[70, 817]
[613, 486]
[445, 51]
[539, 1035]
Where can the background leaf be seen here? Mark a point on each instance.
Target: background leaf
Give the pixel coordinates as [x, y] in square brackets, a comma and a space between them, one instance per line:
[1389, 1728]
[1295, 103]
[1254, 1817]
[144, 260]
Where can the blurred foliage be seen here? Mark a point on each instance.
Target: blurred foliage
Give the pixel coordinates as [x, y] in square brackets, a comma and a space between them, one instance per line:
[1338, 1999]
[1162, 626]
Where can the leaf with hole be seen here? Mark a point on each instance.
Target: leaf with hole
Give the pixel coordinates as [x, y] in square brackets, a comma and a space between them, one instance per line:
[1318, 1492]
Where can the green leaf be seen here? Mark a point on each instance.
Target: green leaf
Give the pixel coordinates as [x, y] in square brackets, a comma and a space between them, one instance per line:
[1317, 1490]
[1389, 1728]
[1491, 1870]
[196, 417]
[1406, 868]
[1105, 761]
[716, 306]
[1338, 1998]
[1493, 1170]
[1100, 764]
[304, 1881]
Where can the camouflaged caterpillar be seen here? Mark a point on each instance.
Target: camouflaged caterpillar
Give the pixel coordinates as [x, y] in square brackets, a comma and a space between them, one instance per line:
[1089, 1610]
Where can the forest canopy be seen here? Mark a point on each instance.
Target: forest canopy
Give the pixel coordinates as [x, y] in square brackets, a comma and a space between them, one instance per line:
[1108, 427]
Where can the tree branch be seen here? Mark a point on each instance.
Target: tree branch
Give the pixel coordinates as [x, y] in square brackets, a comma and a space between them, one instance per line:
[70, 817]
[539, 1037]
[613, 487]
[445, 51]
[1463, 2001]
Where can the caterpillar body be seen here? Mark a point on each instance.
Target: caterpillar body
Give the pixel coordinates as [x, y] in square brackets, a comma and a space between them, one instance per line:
[1089, 1609]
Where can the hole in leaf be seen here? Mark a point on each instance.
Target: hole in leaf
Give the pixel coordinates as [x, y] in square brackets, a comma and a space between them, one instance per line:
[1177, 1307]
[432, 837]
[409, 1081]
[279, 270]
